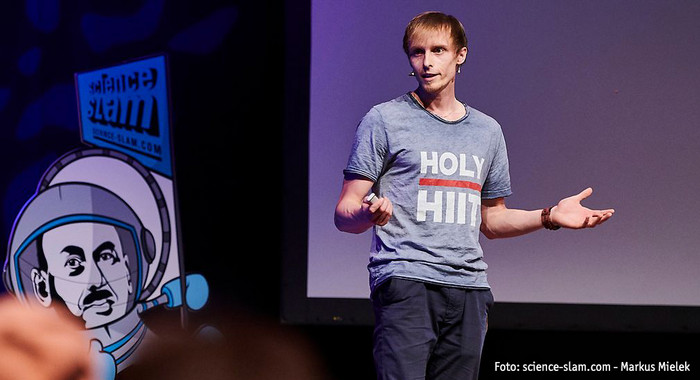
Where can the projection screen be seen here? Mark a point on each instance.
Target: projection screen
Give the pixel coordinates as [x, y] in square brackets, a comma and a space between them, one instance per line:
[597, 93]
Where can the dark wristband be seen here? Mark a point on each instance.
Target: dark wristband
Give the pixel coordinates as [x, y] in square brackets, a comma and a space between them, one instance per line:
[546, 221]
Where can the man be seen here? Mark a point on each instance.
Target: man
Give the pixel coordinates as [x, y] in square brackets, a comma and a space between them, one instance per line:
[440, 172]
[83, 266]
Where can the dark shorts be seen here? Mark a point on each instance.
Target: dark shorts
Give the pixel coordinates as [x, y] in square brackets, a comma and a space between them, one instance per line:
[426, 331]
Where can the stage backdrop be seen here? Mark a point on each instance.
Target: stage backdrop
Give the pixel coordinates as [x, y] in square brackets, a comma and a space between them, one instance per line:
[595, 93]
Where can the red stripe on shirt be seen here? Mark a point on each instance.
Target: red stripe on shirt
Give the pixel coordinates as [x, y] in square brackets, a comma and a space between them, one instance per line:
[449, 183]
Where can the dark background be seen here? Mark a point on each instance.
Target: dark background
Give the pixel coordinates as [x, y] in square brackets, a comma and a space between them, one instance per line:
[226, 75]
[239, 86]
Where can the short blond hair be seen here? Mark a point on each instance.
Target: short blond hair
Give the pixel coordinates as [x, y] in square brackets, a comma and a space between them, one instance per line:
[433, 20]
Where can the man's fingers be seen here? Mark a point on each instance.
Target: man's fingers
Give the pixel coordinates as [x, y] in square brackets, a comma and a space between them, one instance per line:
[584, 194]
[383, 218]
[377, 206]
[596, 219]
[602, 217]
[381, 210]
[592, 221]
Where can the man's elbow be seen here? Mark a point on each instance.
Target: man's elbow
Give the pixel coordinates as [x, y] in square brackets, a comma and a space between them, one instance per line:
[343, 226]
[339, 225]
[349, 229]
[488, 233]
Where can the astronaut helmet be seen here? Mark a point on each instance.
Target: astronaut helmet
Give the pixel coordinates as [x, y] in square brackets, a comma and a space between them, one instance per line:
[79, 246]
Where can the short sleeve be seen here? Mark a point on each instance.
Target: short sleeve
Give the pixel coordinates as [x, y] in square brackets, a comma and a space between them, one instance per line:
[497, 183]
[369, 147]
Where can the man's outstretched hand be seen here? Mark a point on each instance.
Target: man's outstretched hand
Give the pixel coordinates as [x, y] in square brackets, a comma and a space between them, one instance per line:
[569, 213]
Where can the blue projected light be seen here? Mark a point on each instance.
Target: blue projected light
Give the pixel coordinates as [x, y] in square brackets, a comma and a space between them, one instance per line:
[99, 31]
[35, 118]
[43, 14]
[28, 63]
[23, 183]
[206, 35]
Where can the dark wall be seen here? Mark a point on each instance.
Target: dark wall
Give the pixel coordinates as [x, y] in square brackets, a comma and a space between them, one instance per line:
[226, 102]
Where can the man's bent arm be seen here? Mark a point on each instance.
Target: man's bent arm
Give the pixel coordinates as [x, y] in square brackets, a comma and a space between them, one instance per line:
[353, 214]
[498, 221]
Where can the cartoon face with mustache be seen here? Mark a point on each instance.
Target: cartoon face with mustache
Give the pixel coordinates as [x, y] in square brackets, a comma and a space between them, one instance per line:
[84, 266]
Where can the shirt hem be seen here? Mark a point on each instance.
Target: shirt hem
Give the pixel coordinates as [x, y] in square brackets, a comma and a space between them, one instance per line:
[431, 281]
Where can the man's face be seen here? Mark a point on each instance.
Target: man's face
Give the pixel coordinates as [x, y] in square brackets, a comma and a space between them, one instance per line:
[434, 59]
[90, 271]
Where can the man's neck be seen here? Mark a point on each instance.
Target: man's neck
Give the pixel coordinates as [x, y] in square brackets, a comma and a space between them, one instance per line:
[443, 104]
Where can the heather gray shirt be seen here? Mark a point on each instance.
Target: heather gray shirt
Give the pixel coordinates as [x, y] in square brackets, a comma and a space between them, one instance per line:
[435, 172]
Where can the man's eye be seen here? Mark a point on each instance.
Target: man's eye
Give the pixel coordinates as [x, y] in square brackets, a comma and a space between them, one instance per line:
[73, 263]
[108, 255]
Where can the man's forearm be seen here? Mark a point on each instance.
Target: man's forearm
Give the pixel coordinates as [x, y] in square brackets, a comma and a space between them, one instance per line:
[350, 217]
[505, 222]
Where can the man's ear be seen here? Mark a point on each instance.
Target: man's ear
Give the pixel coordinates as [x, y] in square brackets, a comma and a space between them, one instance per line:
[462, 53]
[40, 282]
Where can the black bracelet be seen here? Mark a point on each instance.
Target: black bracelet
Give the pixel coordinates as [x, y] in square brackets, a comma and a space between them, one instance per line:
[546, 221]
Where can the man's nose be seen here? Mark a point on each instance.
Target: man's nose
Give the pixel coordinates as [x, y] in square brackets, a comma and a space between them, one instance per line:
[95, 277]
[427, 60]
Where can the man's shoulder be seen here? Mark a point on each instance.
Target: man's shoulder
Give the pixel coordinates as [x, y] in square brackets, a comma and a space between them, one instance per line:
[388, 111]
[481, 118]
[480, 115]
[398, 103]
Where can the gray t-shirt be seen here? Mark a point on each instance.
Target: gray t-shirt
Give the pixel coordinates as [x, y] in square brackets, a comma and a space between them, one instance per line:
[435, 172]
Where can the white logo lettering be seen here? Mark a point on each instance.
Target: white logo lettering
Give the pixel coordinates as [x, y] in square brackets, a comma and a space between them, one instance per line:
[449, 163]
[475, 200]
[479, 165]
[426, 162]
[451, 168]
[463, 166]
[424, 206]
[449, 207]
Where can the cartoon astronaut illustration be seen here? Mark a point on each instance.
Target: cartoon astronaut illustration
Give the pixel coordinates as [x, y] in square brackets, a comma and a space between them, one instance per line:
[99, 239]
[96, 240]
[85, 263]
